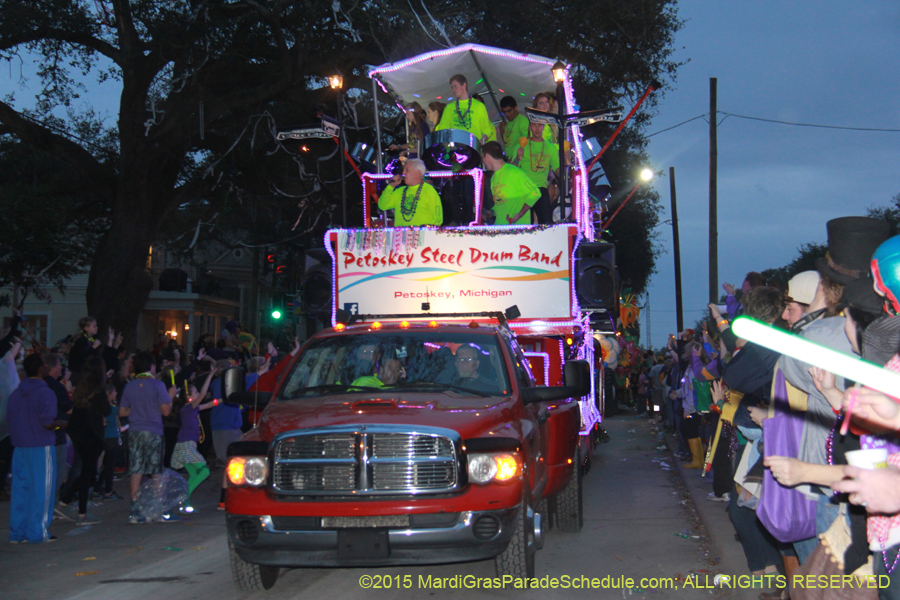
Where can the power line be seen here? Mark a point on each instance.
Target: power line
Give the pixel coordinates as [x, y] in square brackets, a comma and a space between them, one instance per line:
[703, 116]
[814, 125]
[806, 124]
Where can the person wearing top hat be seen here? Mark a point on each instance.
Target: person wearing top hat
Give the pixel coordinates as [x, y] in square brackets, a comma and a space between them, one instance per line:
[851, 243]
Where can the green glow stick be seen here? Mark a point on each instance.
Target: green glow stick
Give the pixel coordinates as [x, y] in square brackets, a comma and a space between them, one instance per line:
[851, 367]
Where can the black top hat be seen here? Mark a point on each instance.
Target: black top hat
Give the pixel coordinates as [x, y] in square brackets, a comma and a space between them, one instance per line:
[851, 243]
[860, 294]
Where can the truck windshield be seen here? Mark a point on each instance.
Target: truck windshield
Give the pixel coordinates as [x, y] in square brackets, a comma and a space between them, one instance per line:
[405, 360]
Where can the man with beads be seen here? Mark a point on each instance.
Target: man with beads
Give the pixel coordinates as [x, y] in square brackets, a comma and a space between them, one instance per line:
[467, 113]
[514, 193]
[515, 126]
[536, 158]
[414, 204]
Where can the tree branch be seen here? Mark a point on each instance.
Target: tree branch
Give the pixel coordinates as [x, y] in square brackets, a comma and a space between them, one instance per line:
[76, 38]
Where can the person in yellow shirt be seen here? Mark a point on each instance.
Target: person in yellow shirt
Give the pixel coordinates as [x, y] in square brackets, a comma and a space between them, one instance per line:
[416, 203]
[515, 126]
[514, 193]
[537, 158]
[466, 113]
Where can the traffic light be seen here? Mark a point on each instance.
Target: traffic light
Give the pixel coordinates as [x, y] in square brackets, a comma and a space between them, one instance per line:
[276, 314]
[269, 263]
[279, 276]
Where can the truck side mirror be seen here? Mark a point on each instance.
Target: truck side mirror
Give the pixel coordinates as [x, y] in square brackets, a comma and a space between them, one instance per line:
[578, 376]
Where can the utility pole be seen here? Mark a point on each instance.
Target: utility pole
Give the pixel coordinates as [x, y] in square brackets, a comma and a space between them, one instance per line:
[679, 316]
[713, 192]
[649, 337]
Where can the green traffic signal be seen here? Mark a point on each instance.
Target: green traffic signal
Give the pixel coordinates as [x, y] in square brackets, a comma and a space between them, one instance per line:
[276, 314]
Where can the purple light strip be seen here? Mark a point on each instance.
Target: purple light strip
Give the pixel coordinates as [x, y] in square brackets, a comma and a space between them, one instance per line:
[476, 174]
[576, 308]
[333, 275]
[581, 189]
[545, 324]
[546, 358]
[464, 48]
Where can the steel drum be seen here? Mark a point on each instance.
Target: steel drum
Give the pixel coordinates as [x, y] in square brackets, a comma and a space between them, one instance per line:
[452, 150]
[366, 155]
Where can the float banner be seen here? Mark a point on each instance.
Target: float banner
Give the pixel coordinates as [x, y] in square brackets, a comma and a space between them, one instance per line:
[484, 269]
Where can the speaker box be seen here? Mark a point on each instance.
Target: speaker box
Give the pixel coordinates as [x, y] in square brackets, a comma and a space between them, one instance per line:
[315, 289]
[595, 276]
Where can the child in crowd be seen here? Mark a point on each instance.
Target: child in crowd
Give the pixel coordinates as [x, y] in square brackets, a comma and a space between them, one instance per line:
[112, 443]
[185, 453]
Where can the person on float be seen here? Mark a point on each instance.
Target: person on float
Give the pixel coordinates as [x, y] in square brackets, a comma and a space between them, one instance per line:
[418, 128]
[415, 204]
[542, 102]
[515, 125]
[466, 113]
[434, 113]
[537, 157]
[513, 192]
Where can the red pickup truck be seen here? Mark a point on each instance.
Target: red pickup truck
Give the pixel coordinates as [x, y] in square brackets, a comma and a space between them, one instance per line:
[400, 444]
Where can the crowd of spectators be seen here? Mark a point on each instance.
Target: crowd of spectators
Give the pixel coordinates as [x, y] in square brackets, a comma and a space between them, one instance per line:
[87, 412]
[769, 426]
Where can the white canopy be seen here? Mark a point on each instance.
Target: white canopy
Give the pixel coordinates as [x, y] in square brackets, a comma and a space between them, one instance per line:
[426, 78]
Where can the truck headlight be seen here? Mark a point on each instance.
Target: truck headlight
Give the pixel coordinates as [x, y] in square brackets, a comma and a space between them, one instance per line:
[499, 467]
[247, 471]
[255, 471]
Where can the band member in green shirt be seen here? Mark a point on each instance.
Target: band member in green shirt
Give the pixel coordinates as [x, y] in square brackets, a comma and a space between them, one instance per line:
[514, 127]
[416, 203]
[536, 159]
[514, 193]
[467, 114]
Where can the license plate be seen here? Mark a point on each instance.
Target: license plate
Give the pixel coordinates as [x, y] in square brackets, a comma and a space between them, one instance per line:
[363, 544]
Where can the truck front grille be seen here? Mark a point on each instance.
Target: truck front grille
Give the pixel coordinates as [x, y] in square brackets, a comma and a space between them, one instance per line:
[365, 461]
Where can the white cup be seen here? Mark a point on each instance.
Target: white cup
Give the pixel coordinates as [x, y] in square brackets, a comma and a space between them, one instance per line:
[872, 458]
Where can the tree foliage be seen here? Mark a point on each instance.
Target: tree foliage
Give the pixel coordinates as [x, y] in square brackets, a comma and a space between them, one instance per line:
[51, 224]
[808, 253]
[890, 213]
[205, 84]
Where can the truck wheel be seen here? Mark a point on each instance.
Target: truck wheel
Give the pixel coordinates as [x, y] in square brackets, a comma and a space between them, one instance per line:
[249, 577]
[570, 501]
[518, 558]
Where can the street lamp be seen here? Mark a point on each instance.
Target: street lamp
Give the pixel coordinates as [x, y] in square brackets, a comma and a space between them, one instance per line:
[336, 81]
[645, 177]
[559, 76]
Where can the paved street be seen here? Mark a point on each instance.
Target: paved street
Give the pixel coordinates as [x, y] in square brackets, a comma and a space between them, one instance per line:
[640, 522]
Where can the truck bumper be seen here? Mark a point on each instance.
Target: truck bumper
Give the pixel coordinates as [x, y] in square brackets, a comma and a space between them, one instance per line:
[279, 542]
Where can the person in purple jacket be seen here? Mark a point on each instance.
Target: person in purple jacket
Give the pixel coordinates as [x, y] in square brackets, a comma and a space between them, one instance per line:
[32, 423]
